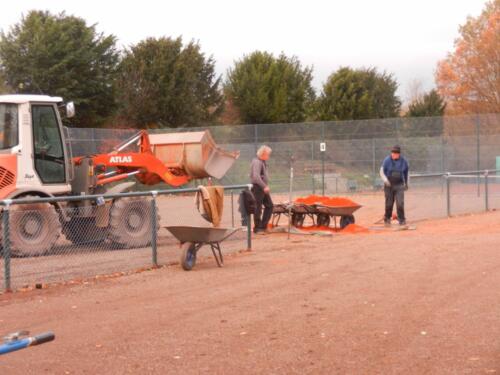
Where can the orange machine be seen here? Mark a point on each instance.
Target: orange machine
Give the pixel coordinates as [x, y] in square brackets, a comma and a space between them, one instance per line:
[35, 161]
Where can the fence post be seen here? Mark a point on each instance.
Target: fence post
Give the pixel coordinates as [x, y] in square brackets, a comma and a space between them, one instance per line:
[6, 244]
[232, 209]
[478, 157]
[312, 168]
[442, 154]
[486, 203]
[374, 165]
[256, 136]
[448, 203]
[154, 234]
[249, 228]
[323, 160]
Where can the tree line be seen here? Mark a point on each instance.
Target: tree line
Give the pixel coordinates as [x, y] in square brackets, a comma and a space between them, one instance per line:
[164, 82]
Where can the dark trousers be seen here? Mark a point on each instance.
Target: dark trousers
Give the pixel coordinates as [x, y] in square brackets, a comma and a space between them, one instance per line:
[395, 193]
[261, 199]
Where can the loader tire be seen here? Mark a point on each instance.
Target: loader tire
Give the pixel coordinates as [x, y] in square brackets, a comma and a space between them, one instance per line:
[81, 231]
[33, 229]
[130, 223]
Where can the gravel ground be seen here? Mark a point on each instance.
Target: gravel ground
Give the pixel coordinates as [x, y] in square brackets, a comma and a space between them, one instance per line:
[386, 302]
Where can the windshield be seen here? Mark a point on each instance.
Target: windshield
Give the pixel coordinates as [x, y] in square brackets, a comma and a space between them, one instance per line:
[8, 125]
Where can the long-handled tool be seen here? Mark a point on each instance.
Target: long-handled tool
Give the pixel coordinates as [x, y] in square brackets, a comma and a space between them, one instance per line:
[20, 340]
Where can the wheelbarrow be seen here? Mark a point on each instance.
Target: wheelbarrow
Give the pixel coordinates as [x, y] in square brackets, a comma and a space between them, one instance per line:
[20, 340]
[193, 238]
[324, 213]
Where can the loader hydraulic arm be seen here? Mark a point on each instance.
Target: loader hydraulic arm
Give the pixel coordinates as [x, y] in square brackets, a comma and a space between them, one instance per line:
[173, 158]
[146, 167]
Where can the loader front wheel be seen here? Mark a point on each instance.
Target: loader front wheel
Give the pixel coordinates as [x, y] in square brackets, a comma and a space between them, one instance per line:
[34, 228]
[131, 222]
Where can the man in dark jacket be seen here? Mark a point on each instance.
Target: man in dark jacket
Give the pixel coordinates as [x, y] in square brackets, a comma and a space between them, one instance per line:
[394, 173]
[260, 189]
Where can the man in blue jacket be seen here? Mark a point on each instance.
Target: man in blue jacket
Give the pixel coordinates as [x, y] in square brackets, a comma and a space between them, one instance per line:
[394, 173]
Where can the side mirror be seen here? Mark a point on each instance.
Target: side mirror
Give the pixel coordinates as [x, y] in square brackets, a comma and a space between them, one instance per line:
[70, 109]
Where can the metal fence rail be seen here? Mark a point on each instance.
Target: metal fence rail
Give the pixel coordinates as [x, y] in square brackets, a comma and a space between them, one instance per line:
[131, 235]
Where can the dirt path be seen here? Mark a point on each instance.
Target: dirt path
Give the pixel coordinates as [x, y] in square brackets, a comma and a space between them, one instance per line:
[419, 302]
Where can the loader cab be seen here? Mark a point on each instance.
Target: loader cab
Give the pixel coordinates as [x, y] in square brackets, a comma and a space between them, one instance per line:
[32, 148]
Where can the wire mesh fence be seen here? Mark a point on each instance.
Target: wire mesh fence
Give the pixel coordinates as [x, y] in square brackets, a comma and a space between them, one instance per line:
[347, 150]
[48, 242]
[327, 158]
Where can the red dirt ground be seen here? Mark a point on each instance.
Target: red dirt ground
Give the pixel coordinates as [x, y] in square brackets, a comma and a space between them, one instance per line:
[407, 302]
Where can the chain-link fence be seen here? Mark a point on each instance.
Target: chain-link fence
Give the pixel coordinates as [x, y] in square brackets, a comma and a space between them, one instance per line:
[59, 239]
[345, 153]
[327, 158]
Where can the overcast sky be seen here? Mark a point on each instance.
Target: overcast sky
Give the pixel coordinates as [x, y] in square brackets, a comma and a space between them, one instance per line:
[404, 37]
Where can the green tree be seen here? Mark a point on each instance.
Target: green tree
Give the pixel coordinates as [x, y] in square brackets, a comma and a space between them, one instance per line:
[267, 89]
[60, 55]
[163, 83]
[354, 94]
[430, 104]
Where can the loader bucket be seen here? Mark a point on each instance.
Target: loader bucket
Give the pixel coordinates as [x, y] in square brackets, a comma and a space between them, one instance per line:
[195, 152]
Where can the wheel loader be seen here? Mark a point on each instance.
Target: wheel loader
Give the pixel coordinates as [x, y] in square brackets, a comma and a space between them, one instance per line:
[36, 161]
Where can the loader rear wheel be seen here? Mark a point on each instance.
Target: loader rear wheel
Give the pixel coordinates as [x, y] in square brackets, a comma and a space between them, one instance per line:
[34, 228]
[130, 223]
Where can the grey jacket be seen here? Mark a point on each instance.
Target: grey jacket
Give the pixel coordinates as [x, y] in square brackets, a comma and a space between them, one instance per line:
[258, 173]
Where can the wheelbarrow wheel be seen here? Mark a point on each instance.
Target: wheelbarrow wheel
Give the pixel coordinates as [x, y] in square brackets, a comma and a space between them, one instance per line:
[188, 255]
[346, 220]
[298, 219]
[323, 220]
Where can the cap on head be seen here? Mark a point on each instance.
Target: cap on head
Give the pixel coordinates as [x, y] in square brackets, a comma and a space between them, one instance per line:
[396, 149]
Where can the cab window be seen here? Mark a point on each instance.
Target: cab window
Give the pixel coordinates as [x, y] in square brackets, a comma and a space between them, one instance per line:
[8, 126]
[47, 144]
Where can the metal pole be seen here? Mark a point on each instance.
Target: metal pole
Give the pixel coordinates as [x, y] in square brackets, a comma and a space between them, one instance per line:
[312, 168]
[486, 203]
[249, 229]
[6, 245]
[374, 167]
[323, 160]
[442, 154]
[478, 160]
[256, 136]
[154, 233]
[448, 203]
[232, 209]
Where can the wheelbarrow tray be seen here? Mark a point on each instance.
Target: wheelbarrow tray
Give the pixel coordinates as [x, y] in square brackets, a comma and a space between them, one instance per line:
[200, 234]
[337, 211]
[280, 208]
[301, 208]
